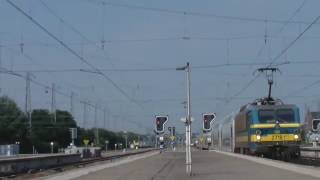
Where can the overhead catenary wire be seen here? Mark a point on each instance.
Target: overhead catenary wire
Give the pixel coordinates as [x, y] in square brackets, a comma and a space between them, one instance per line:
[315, 83]
[278, 56]
[40, 84]
[283, 51]
[103, 41]
[72, 28]
[72, 51]
[291, 17]
[209, 66]
[78, 32]
[280, 30]
[31, 59]
[141, 40]
[65, 22]
[199, 14]
[154, 39]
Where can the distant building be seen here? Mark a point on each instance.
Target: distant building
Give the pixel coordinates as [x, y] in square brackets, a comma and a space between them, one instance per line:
[311, 127]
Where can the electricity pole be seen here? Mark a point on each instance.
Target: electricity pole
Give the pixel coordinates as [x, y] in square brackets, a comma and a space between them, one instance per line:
[53, 102]
[84, 114]
[104, 119]
[71, 103]
[28, 99]
[95, 123]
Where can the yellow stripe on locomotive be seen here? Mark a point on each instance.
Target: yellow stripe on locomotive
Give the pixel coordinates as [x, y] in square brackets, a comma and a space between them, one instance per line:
[284, 125]
[275, 138]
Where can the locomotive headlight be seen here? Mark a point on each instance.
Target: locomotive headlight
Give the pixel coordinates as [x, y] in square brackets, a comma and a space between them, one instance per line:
[296, 137]
[258, 137]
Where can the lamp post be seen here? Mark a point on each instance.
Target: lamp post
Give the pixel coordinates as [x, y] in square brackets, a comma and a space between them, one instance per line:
[188, 120]
[107, 142]
[126, 139]
[51, 144]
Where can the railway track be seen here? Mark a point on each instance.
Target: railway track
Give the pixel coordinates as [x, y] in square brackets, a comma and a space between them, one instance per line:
[302, 160]
[37, 173]
[307, 161]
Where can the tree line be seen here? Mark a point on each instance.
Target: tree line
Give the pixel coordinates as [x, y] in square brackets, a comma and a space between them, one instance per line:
[48, 127]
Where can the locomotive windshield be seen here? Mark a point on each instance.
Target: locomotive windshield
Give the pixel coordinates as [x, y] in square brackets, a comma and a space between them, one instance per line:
[285, 115]
[282, 115]
[267, 116]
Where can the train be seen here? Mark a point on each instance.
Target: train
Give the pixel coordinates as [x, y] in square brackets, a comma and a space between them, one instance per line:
[204, 141]
[266, 127]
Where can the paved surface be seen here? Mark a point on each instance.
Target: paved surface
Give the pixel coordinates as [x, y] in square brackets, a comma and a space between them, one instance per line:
[26, 156]
[206, 165]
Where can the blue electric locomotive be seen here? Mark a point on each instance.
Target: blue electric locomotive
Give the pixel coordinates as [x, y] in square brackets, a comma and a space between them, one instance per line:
[268, 129]
[261, 128]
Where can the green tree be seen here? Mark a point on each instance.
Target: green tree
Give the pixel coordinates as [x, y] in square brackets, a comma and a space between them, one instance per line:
[13, 123]
[42, 130]
[62, 135]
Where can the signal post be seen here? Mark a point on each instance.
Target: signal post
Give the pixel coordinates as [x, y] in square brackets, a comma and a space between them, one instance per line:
[208, 119]
[159, 129]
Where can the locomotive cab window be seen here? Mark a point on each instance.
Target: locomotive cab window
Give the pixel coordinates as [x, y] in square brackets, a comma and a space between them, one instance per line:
[285, 115]
[266, 116]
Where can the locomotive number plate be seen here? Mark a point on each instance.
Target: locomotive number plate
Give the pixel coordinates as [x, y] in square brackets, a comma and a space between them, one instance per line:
[279, 137]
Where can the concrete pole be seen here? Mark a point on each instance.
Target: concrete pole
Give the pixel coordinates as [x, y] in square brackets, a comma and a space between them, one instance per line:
[188, 125]
[84, 114]
[96, 123]
[126, 141]
[53, 102]
[28, 99]
[104, 118]
[71, 104]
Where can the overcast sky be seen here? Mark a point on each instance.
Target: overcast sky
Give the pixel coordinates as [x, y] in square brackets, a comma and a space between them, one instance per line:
[145, 40]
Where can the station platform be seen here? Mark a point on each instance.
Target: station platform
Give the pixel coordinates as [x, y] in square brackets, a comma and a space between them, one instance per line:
[205, 165]
[25, 162]
[310, 152]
